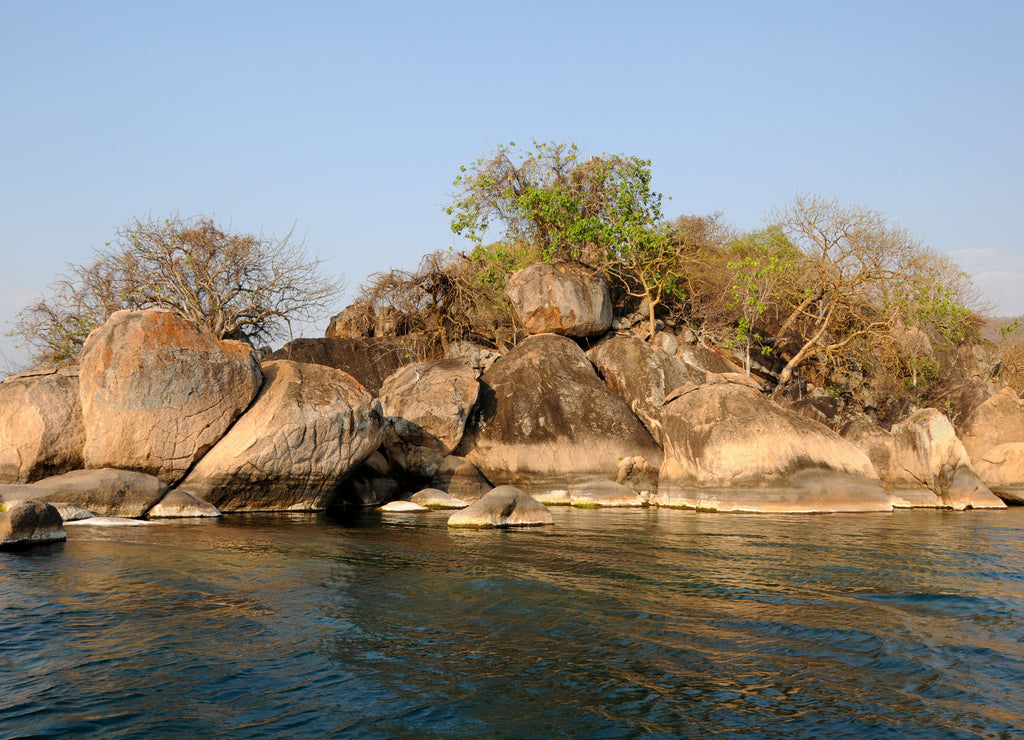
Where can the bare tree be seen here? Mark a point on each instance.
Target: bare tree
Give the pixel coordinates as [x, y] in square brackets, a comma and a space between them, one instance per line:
[235, 285]
[855, 264]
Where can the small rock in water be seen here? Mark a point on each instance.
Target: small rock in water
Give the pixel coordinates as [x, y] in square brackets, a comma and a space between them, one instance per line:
[505, 506]
[109, 521]
[434, 498]
[402, 506]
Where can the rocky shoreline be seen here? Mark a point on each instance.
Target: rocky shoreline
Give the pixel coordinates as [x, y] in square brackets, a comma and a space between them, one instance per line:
[163, 420]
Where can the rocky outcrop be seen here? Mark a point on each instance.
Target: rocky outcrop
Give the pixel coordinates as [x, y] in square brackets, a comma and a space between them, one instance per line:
[307, 429]
[425, 407]
[642, 376]
[544, 419]
[505, 506]
[28, 523]
[932, 467]
[158, 392]
[369, 360]
[563, 298]
[461, 479]
[41, 432]
[728, 448]
[105, 492]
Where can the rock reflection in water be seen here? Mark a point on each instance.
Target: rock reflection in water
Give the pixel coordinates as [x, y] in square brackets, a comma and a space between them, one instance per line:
[609, 624]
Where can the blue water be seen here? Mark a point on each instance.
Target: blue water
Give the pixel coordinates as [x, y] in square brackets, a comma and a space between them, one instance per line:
[611, 624]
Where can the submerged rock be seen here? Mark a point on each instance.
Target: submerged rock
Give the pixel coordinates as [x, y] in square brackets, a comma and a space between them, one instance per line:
[180, 504]
[402, 507]
[505, 506]
[27, 523]
[432, 498]
[598, 493]
[728, 448]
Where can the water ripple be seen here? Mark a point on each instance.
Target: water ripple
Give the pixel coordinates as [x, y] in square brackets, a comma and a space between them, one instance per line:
[643, 623]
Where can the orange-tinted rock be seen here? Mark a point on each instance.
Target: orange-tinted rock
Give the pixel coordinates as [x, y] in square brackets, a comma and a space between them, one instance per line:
[158, 392]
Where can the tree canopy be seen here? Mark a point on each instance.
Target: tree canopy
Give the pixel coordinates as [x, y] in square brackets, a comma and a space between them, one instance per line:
[236, 285]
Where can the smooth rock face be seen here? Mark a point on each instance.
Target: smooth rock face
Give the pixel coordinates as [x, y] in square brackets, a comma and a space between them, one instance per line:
[505, 506]
[563, 298]
[158, 392]
[461, 479]
[41, 432]
[993, 435]
[425, 407]
[180, 504]
[369, 360]
[544, 419]
[642, 376]
[432, 498]
[728, 448]
[105, 492]
[595, 493]
[929, 457]
[307, 429]
[28, 523]
[878, 445]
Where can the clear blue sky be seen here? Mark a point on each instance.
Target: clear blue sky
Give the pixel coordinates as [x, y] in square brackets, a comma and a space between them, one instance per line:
[350, 120]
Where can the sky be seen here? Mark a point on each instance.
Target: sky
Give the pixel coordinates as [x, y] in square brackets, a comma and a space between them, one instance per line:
[348, 122]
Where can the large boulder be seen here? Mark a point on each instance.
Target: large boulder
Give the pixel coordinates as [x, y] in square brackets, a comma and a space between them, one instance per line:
[370, 360]
[642, 376]
[308, 427]
[993, 435]
[728, 448]
[505, 506]
[425, 406]
[105, 492]
[544, 419]
[933, 468]
[562, 297]
[41, 432]
[27, 523]
[158, 392]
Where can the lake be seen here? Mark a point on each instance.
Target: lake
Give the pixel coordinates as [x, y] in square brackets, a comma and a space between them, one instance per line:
[611, 624]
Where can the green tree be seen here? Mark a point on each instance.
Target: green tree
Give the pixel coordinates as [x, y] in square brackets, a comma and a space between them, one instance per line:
[763, 265]
[600, 210]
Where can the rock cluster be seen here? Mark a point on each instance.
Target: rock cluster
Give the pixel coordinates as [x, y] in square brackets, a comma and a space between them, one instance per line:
[164, 420]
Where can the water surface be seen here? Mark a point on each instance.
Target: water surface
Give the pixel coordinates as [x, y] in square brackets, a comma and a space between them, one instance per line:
[611, 624]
